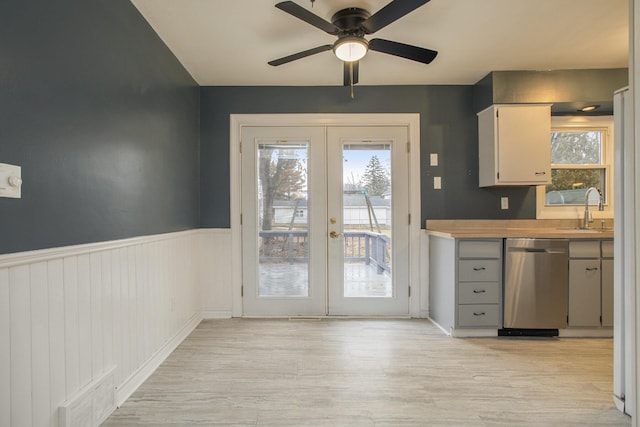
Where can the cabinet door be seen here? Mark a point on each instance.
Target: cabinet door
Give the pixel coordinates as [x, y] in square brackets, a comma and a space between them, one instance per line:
[607, 292]
[523, 144]
[584, 292]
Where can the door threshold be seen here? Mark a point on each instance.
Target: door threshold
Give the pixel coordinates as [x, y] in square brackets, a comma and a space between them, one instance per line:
[330, 317]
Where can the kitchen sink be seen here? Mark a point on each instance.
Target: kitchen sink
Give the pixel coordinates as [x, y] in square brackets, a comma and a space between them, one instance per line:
[587, 230]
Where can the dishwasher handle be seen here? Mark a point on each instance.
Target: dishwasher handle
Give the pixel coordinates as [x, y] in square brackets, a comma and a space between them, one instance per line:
[538, 250]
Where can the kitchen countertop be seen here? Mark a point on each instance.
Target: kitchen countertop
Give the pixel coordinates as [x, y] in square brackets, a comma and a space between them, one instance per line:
[551, 229]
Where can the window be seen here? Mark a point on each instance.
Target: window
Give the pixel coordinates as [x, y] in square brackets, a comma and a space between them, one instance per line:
[581, 155]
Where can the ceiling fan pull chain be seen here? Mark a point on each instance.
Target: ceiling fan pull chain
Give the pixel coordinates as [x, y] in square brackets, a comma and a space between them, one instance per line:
[351, 79]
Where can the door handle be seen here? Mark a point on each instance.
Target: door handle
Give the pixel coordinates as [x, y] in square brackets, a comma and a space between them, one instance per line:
[334, 235]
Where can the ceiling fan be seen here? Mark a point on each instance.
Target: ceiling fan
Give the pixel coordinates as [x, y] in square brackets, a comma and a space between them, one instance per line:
[350, 25]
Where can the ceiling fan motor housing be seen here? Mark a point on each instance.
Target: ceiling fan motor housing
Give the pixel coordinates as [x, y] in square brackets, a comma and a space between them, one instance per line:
[349, 20]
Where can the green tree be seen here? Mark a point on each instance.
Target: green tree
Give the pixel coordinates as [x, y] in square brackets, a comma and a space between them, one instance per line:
[572, 179]
[281, 176]
[375, 179]
[575, 148]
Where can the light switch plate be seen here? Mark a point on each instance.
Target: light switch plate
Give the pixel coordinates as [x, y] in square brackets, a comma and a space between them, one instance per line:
[433, 159]
[10, 181]
[437, 182]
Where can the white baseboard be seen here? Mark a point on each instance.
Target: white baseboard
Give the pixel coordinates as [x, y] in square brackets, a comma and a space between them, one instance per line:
[216, 314]
[131, 384]
[91, 405]
[474, 333]
[586, 333]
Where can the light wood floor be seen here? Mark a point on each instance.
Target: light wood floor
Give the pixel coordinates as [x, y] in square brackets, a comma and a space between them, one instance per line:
[373, 373]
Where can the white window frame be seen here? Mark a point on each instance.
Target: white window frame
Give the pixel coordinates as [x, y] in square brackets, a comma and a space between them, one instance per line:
[574, 123]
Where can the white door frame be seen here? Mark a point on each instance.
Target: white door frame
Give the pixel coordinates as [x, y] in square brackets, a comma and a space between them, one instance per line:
[411, 120]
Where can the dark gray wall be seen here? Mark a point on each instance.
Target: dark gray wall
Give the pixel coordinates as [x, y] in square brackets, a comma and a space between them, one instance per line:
[448, 126]
[566, 90]
[103, 120]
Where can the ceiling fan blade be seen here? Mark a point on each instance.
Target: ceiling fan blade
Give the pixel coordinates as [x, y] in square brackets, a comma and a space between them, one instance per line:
[402, 50]
[300, 55]
[301, 13]
[390, 13]
[347, 73]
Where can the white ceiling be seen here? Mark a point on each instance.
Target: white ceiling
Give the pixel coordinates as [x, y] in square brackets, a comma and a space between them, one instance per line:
[228, 42]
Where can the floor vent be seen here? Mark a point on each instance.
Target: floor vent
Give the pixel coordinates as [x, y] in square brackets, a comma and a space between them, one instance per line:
[91, 405]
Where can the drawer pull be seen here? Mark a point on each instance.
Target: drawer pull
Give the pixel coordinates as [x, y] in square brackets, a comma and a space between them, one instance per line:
[479, 291]
[478, 268]
[592, 268]
[540, 173]
[479, 313]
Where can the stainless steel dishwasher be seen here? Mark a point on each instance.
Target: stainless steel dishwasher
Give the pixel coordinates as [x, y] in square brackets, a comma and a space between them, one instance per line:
[536, 284]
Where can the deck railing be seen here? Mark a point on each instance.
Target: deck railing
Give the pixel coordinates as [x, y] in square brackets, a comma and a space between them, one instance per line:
[359, 246]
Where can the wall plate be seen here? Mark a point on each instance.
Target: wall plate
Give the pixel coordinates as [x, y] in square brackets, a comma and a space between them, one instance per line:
[10, 181]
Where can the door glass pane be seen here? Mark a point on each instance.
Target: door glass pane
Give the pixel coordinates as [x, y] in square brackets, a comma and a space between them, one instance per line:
[367, 220]
[283, 212]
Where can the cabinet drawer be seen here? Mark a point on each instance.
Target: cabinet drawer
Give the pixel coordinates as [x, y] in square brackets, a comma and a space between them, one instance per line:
[480, 249]
[607, 249]
[584, 249]
[479, 315]
[479, 293]
[478, 270]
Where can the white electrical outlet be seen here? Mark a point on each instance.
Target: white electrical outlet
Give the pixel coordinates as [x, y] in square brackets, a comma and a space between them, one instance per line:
[433, 159]
[504, 202]
[437, 182]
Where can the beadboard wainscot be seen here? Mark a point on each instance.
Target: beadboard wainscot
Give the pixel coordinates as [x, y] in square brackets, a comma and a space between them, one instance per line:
[216, 273]
[83, 326]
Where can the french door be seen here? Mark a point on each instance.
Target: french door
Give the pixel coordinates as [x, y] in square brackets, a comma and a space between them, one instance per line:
[325, 221]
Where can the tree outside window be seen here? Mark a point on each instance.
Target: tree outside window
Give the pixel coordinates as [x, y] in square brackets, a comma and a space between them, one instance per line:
[375, 178]
[576, 165]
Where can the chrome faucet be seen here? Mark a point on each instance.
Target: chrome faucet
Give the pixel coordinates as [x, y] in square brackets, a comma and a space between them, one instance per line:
[586, 205]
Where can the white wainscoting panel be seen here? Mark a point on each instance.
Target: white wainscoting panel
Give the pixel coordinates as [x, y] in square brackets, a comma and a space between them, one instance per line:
[216, 273]
[70, 315]
[424, 275]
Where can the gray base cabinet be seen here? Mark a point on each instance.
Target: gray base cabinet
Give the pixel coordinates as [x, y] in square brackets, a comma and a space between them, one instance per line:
[590, 283]
[465, 282]
[607, 283]
[584, 292]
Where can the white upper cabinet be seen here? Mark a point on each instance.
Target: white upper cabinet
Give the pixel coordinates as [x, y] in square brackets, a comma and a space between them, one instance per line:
[514, 145]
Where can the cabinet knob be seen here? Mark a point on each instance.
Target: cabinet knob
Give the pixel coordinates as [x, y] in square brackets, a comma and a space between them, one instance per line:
[478, 268]
[478, 313]
[592, 268]
[479, 291]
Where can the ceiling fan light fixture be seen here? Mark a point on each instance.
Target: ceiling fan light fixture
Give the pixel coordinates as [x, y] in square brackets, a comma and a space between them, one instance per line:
[350, 48]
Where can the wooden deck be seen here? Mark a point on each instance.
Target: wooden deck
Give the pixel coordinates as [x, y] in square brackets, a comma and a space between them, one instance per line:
[282, 279]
